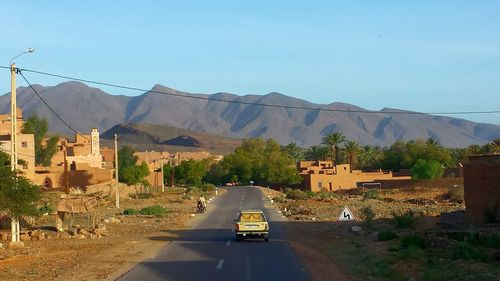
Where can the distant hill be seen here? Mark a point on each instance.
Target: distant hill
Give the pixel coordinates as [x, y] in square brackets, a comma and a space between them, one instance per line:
[157, 137]
[86, 107]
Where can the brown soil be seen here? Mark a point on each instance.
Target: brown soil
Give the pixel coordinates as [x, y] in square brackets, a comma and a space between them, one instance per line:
[106, 258]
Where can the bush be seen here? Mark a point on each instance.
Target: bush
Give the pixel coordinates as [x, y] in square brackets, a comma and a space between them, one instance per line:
[368, 215]
[386, 235]
[455, 193]
[407, 220]
[426, 169]
[278, 199]
[208, 187]
[186, 197]
[371, 194]
[414, 241]
[131, 212]
[466, 251]
[46, 209]
[296, 194]
[193, 189]
[154, 210]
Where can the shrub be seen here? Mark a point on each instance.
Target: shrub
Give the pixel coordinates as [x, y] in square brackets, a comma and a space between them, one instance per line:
[368, 215]
[414, 241]
[426, 169]
[154, 210]
[193, 189]
[278, 199]
[371, 194]
[46, 209]
[386, 235]
[296, 194]
[208, 187]
[407, 220]
[130, 211]
[455, 193]
[186, 197]
[466, 251]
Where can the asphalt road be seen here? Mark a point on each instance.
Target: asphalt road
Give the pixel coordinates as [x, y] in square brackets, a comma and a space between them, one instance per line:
[209, 252]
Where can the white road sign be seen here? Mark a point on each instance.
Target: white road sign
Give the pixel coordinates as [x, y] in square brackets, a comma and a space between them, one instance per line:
[346, 215]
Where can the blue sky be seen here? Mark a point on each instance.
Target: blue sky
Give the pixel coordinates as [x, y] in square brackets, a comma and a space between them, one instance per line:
[429, 56]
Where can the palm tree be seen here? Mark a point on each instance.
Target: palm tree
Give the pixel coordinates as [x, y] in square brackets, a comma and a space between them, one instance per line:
[317, 152]
[352, 150]
[333, 141]
[496, 143]
[432, 141]
[295, 152]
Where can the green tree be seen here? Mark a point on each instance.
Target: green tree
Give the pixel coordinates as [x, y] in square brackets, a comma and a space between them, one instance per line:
[317, 152]
[496, 143]
[18, 196]
[426, 169]
[295, 152]
[352, 149]
[191, 172]
[370, 157]
[264, 162]
[39, 127]
[129, 172]
[333, 141]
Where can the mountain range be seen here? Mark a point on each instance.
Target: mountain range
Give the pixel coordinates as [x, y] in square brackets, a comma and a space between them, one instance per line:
[85, 107]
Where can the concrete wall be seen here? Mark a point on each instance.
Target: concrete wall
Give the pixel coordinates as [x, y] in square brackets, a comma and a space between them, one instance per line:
[482, 187]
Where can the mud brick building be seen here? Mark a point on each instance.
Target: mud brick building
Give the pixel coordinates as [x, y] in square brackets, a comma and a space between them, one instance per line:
[482, 188]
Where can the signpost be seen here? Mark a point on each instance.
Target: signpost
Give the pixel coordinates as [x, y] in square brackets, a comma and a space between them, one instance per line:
[251, 183]
[345, 215]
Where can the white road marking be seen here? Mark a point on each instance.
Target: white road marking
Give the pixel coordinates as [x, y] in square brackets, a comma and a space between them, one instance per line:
[248, 275]
[219, 264]
[228, 242]
[232, 230]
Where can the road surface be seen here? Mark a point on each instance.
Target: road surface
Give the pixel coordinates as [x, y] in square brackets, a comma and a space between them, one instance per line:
[208, 252]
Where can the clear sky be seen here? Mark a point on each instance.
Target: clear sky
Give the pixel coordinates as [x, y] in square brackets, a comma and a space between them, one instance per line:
[428, 56]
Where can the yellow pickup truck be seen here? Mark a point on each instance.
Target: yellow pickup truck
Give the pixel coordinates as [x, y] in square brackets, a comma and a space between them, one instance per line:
[251, 223]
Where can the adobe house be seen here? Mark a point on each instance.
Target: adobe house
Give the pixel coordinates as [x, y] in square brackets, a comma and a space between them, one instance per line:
[77, 163]
[482, 188]
[25, 144]
[324, 176]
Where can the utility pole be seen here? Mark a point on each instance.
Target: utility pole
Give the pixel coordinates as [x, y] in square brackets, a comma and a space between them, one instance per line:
[117, 192]
[15, 229]
[162, 176]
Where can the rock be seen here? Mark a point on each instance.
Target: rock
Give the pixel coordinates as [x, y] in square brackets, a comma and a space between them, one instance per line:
[374, 235]
[83, 231]
[16, 245]
[94, 236]
[79, 236]
[64, 235]
[100, 231]
[114, 220]
[72, 232]
[25, 237]
[192, 215]
[4, 236]
[1, 246]
[356, 230]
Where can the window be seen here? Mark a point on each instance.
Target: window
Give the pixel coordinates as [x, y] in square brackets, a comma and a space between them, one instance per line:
[25, 166]
[320, 185]
[24, 144]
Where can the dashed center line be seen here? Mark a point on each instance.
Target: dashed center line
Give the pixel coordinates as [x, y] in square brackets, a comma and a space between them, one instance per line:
[228, 242]
[219, 264]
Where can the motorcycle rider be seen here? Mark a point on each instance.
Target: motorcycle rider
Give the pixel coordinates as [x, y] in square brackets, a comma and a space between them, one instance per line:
[202, 202]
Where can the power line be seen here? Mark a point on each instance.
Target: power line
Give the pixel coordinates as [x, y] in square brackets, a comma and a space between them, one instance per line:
[253, 103]
[48, 106]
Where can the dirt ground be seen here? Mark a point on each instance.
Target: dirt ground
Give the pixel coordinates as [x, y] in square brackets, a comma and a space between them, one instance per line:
[129, 240]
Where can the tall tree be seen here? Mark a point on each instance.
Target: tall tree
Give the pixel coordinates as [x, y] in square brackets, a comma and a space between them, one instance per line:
[333, 141]
[295, 152]
[317, 152]
[496, 143]
[39, 127]
[129, 171]
[370, 157]
[352, 150]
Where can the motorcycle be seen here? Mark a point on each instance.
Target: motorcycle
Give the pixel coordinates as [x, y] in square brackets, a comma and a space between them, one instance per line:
[201, 208]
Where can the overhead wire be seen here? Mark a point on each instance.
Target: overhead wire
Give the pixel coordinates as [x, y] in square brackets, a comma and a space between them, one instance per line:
[253, 103]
